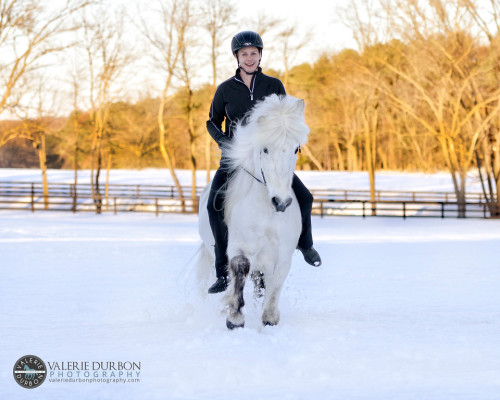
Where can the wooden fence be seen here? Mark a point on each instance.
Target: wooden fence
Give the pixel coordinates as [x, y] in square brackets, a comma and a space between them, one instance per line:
[404, 209]
[118, 198]
[165, 199]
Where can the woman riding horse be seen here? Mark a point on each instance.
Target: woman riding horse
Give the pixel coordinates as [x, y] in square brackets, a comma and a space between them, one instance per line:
[232, 100]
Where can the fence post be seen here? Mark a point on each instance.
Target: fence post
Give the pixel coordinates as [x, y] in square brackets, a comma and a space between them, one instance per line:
[442, 209]
[321, 208]
[404, 210]
[364, 214]
[114, 205]
[73, 191]
[32, 197]
[156, 206]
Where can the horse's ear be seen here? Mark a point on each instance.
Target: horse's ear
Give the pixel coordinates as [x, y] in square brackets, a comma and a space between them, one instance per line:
[301, 105]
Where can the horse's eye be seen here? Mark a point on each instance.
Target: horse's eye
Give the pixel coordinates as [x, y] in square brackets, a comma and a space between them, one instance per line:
[297, 149]
[265, 150]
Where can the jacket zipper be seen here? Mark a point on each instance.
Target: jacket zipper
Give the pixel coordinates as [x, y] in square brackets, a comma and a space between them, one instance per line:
[253, 86]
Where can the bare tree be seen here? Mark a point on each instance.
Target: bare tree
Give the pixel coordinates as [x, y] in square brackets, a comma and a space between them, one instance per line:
[36, 124]
[266, 24]
[361, 18]
[488, 26]
[290, 42]
[76, 135]
[218, 16]
[487, 151]
[30, 31]
[135, 129]
[107, 56]
[185, 25]
[440, 71]
[167, 40]
[370, 117]
[76, 78]
[36, 130]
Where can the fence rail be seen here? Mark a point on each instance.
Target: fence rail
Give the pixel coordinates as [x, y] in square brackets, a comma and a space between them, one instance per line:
[15, 188]
[166, 199]
[404, 209]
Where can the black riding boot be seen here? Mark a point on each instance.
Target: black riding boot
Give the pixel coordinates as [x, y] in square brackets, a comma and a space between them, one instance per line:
[220, 285]
[305, 200]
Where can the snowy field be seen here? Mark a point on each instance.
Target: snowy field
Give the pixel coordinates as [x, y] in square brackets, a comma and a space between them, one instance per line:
[317, 180]
[400, 309]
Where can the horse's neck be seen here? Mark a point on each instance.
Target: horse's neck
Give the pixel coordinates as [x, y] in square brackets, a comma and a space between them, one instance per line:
[242, 184]
[242, 188]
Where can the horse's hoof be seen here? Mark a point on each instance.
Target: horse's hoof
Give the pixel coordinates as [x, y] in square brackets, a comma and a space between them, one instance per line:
[269, 323]
[232, 326]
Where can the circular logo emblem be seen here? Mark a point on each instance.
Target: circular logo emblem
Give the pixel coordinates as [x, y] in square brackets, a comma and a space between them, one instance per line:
[30, 372]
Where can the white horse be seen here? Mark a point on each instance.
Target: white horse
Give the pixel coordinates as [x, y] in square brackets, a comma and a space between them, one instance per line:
[261, 211]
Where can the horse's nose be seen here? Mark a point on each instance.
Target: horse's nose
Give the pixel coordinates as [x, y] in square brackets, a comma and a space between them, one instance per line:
[279, 205]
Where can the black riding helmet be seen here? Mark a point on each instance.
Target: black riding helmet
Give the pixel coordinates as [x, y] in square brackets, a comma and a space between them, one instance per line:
[245, 39]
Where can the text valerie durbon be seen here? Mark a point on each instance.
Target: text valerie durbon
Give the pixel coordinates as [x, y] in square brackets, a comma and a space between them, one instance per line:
[94, 371]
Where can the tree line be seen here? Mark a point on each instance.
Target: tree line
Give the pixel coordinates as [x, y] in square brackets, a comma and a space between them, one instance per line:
[420, 93]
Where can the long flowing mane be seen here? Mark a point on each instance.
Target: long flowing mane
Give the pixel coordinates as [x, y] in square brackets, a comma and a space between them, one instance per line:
[274, 121]
[277, 122]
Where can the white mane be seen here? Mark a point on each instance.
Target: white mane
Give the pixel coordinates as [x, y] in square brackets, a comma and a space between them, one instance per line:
[276, 121]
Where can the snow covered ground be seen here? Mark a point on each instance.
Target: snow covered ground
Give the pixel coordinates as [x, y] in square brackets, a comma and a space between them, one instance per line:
[400, 309]
[386, 180]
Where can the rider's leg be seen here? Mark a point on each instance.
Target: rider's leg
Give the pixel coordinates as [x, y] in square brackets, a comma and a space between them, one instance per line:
[305, 200]
[215, 207]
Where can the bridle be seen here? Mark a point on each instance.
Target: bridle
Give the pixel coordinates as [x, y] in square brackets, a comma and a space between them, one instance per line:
[263, 181]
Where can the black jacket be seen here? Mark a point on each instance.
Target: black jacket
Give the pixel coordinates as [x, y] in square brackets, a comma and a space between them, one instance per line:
[233, 99]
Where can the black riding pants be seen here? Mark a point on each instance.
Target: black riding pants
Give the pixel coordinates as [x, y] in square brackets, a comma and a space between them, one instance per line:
[215, 208]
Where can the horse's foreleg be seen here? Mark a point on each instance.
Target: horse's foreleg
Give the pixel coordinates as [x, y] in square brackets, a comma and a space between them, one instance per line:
[274, 284]
[271, 314]
[240, 266]
[259, 284]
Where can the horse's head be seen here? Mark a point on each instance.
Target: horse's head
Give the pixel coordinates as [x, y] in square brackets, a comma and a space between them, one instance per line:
[267, 145]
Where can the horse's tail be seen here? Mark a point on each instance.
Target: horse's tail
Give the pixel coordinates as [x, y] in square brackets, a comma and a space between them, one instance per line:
[204, 264]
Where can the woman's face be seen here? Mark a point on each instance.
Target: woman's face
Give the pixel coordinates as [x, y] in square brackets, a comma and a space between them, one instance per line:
[248, 58]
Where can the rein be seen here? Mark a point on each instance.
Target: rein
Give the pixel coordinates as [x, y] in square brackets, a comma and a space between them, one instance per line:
[263, 181]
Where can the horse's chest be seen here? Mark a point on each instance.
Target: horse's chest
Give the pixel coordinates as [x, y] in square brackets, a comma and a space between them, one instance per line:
[260, 223]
